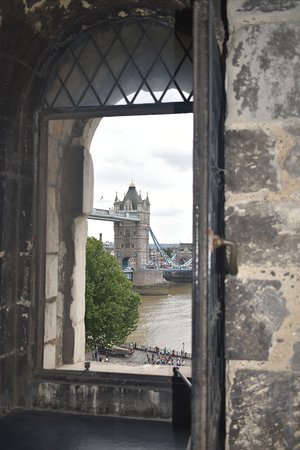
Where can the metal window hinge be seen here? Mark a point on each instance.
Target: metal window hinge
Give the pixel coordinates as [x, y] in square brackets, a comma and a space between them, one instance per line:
[215, 242]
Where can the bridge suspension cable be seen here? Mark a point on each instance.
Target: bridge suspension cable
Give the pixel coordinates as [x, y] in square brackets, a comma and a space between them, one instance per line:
[162, 252]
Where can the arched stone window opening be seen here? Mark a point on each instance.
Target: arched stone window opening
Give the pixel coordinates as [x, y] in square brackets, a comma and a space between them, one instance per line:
[110, 71]
[69, 201]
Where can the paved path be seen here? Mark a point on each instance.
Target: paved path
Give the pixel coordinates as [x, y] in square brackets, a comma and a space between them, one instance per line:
[132, 364]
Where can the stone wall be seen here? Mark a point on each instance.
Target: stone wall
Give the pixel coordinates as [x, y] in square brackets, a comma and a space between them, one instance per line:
[137, 396]
[69, 201]
[263, 216]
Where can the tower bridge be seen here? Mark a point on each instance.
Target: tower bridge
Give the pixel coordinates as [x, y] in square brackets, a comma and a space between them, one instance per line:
[131, 217]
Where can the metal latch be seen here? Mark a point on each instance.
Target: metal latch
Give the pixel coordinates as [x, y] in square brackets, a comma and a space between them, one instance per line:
[231, 255]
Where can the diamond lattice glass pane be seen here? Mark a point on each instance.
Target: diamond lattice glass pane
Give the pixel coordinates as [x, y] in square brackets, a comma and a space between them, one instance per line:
[130, 80]
[159, 35]
[53, 90]
[76, 84]
[89, 98]
[132, 61]
[116, 97]
[77, 49]
[63, 100]
[184, 77]
[117, 58]
[172, 95]
[103, 82]
[66, 66]
[131, 35]
[184, 40]
[158, 77]
[172, 54]
[103, 38]
[90, 59]
[144, 96]
[144, 56]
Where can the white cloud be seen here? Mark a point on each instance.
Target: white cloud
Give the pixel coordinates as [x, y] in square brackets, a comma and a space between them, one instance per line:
[155, 152]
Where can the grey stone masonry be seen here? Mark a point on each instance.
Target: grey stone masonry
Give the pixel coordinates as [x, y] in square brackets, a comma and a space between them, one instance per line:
[262, 181]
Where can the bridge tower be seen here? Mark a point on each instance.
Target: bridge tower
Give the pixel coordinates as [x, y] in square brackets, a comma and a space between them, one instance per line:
[131, 239]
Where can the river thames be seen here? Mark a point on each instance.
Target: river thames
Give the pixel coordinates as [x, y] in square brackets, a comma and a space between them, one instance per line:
[166, 320]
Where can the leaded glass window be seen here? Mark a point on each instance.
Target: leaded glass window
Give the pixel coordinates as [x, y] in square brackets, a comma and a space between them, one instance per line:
[129, 62]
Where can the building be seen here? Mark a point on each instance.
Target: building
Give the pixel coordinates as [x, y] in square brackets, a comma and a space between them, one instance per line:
[64, 65]
[131, 239]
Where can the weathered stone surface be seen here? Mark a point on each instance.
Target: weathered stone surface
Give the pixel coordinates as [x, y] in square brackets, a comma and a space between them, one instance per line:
[265, 232]
[262, 83]
[52, 239]
[49, 356]
[7, 328]
[295, 360]
[51, 276]
[50, 321]
[8, 286]
[250, 161]
[22, 321]
[21, 372]
[267, 6]
[265, 410]
[7, 382]
[292, 162]
[294, 130]
[99, 398]
[254, 310]
[88, 183]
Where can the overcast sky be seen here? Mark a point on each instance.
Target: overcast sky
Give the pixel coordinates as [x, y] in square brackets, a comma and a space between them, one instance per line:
[155, 152]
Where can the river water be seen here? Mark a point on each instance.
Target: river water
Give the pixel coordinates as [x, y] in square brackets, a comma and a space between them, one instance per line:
[166, 321]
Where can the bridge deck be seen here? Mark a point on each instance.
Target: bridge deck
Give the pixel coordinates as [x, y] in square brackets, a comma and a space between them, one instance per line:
[113, 216]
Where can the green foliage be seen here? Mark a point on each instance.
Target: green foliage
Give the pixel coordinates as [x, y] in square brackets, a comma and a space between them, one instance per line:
[111, 305]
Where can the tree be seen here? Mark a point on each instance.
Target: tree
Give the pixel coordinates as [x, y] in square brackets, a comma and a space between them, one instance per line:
[111, 305]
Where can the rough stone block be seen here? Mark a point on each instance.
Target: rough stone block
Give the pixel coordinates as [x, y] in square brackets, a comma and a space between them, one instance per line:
[22, 322]
[24, 278]
[294, 129]
[265, 410]
[265, 232]
[10, 213]
[254, 310]
[51, 276]
[7, 383]
[50, 322]
[262, 79]
[77, 307]
[53, 161]
[8, 330]
[21, 372]
[49, 356]
[8, 286]
[295, 360]
[250, 161]
[88, 183]
[52, 244]
[292, 161]
[252, 11]
[79, 342]
[25, 214]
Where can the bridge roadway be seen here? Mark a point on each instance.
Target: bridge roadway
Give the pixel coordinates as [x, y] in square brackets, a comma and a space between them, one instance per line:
[110, 215]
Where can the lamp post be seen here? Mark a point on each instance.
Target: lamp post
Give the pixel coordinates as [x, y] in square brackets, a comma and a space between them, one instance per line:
[183, 347]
